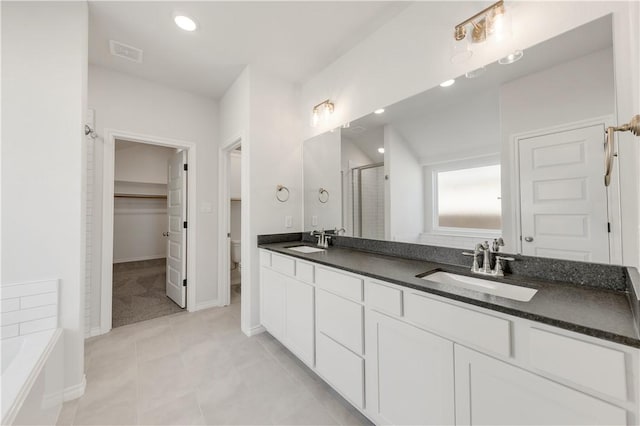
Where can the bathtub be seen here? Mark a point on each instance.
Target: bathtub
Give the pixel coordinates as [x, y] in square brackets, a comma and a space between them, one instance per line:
[32, 378]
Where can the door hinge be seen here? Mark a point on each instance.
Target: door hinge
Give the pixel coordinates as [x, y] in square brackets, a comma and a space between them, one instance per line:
[184, 224]
[608, 226]
[186, 167]
[184, 282]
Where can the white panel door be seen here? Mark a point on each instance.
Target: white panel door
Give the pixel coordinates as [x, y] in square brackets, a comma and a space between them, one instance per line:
[563, 197]
[177, 241]
[491, 392]
[409, 374]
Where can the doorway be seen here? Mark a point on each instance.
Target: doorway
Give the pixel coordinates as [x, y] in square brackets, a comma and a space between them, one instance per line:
[144, 274]
[148, 256]
[565, 209]
[235, 224]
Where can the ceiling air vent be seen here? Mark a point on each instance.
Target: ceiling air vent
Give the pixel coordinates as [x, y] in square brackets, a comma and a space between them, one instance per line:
[125, 51]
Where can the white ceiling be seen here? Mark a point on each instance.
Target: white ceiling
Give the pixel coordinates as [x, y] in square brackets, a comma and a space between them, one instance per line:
[292, 40]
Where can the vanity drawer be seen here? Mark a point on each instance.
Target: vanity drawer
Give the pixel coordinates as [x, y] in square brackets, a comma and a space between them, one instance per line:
[341, 319]
[283, 264]
[384, 298]
[339, 283]
[304, 271]
[265, 258]
[342, 368]
[459, 324]
[597, 367]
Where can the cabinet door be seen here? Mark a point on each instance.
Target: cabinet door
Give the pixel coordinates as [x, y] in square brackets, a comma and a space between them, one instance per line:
[300, 320]
[409, 374]
[273, 301]
[489, 391]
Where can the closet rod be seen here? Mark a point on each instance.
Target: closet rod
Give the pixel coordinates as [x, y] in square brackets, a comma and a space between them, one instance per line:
[162, 197]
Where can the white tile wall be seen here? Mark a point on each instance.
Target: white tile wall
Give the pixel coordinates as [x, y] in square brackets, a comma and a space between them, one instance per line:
[89, 237]
[27, 308]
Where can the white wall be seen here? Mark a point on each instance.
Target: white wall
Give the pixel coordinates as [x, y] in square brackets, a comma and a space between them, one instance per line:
[44, 72]
[130, 104]
[262, 110]
[138, 224]
[397, 61]
[581, 89]
[322, 170]
[142, 163]
[406, 188]
[235, 185]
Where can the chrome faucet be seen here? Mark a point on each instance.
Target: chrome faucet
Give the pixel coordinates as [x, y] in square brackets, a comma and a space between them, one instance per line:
[323, 238]
[498, 270]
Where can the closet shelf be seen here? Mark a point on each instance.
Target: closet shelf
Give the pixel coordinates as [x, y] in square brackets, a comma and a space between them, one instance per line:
[161, 197]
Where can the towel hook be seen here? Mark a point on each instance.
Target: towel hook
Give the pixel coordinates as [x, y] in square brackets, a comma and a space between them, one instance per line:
[282, 193]
[323, 195]
[632, 126]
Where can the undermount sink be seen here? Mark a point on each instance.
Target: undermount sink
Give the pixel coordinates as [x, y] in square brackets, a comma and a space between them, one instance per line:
[305, 249]
[509, 291]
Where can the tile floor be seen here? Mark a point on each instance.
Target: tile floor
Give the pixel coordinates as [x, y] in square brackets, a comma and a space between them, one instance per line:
[199, 368]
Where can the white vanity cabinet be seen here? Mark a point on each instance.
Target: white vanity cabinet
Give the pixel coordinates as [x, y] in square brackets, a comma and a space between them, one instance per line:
[492, 392]
[288, 304]
[410, 374]
[403, 356]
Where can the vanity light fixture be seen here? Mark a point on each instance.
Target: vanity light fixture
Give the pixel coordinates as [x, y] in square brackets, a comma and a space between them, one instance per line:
[447, 83]
[185, 23]
[492, 22]
[323, 109]
[512, 57]
[379, 111]
[381, 150]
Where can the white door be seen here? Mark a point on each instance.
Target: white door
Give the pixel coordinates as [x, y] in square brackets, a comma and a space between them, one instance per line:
[491, 392]
[177, 242]
[299, 319]
[409, 374]
[273, 297]
[563, 197]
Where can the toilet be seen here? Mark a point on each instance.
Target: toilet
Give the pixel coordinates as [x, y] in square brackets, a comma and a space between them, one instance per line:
[235, 252]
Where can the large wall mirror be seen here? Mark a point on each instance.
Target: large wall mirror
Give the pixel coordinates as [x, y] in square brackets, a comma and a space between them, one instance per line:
[510, 150]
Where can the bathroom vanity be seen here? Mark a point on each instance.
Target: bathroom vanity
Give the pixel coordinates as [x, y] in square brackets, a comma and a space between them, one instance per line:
[407, 350]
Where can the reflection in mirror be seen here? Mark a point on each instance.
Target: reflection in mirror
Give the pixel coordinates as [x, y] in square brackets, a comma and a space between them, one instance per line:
[515, 151]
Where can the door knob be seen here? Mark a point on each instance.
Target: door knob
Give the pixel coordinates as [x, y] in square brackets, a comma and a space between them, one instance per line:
[165, 234]
[528, 239]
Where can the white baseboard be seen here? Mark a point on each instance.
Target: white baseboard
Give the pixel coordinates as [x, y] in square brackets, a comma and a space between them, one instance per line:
[254, 330]
[75, 391]
[206, 305]
[93, 332]
[138, 259]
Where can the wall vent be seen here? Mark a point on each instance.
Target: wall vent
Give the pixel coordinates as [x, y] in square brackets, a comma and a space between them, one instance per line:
[125, 51]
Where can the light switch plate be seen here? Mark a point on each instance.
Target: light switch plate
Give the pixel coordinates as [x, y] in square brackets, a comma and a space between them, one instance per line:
[288, 221]
[314, 220]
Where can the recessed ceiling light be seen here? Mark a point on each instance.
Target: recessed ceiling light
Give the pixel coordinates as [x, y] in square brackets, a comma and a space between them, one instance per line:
[381, 150]
[185, 23]
[516, 55]
[447, 83]
[379, 111]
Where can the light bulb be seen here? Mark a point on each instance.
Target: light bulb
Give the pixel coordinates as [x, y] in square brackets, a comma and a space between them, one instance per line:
[315, 117]
[379, 111]
[460, 51]
[185, 23]
[447, 83]
[499, 24]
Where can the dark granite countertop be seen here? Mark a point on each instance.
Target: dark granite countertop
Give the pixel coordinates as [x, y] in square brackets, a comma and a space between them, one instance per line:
[600, 313]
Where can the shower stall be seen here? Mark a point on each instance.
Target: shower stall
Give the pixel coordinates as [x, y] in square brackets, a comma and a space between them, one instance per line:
[364, 203]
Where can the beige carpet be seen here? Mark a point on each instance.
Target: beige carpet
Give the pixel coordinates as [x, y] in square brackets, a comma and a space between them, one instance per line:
[139, 292]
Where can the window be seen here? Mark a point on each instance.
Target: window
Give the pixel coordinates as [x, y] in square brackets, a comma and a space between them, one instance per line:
[467, 199]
